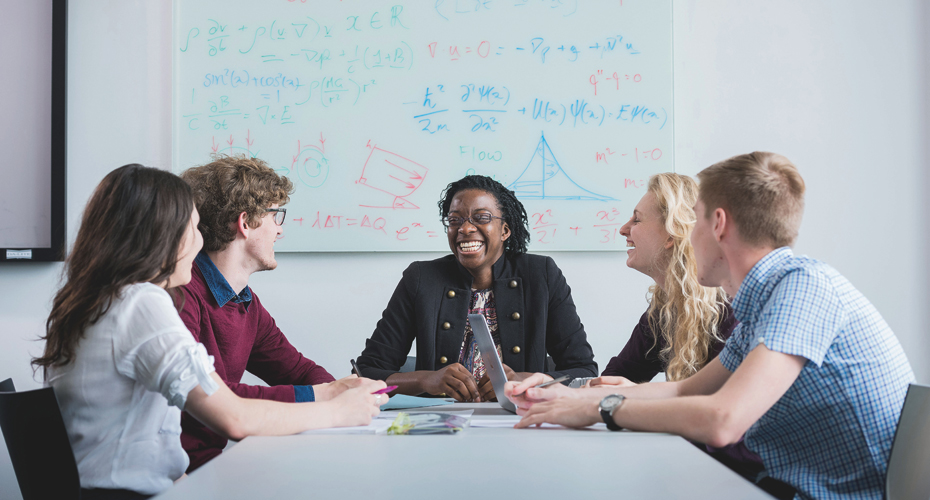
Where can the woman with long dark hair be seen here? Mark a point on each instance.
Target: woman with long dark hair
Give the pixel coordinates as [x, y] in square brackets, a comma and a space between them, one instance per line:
[524, 298]
[121, 361]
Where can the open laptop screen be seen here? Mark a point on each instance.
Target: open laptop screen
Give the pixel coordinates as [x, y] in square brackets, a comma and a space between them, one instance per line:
[492, 362]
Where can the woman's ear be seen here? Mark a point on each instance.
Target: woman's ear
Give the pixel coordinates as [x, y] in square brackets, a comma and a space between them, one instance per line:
[505, 232]
[670, 243]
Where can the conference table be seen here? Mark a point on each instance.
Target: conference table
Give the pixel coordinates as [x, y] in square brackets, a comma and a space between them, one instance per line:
[478, 462]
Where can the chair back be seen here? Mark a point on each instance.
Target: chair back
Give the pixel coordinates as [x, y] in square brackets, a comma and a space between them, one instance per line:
[38, 444]
[409, 365]
[908, 476]
[7, 386]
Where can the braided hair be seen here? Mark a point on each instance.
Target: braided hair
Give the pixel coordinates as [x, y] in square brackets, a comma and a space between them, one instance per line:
[511, 208]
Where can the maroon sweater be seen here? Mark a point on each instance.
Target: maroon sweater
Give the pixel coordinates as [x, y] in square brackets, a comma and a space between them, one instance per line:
[239, 336]
[639, 360]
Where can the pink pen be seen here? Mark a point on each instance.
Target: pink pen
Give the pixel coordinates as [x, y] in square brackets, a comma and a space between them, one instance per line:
[386, 390]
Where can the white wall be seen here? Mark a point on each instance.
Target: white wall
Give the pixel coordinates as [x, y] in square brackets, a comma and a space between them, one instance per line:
[838, 87]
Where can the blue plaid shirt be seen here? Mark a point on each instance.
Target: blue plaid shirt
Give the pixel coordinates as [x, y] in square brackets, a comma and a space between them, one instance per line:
[830, 435]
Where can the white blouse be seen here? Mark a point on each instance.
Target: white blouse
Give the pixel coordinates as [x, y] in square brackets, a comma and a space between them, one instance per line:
[122, 396]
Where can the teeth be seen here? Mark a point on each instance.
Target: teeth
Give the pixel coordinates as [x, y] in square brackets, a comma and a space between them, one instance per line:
[470, 246]
[630, 244]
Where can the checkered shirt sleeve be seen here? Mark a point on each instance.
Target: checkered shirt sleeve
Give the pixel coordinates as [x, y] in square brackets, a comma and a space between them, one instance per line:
[830, 434]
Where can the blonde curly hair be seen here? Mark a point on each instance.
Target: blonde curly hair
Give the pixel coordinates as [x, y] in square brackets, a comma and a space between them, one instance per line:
[685, 313]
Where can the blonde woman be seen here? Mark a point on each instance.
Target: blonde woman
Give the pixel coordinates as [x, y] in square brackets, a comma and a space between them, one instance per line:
[686, 324]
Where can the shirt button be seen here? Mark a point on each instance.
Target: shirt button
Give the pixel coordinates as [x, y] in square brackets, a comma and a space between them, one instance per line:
[515, 316]
[516, 349]
[513, 283]
[760, 340]
[446, 325]
[443, 360]
[450, 294]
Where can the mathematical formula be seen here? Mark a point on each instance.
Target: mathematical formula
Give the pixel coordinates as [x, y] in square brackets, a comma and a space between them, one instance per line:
[372, 108]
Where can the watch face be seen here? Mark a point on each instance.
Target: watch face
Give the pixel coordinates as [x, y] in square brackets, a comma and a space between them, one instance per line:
[611, 402]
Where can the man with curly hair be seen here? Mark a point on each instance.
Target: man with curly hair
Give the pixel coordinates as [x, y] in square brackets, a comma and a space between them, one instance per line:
[240, 203]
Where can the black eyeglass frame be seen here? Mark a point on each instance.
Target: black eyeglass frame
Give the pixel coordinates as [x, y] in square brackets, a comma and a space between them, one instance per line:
[448, 224]
[279, 216]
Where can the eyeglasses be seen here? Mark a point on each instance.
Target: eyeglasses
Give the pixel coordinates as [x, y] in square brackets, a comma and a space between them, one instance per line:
[280, 214]
[475, 220]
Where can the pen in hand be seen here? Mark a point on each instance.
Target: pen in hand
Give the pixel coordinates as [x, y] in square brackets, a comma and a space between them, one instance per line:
[561, 379]
[358, 373]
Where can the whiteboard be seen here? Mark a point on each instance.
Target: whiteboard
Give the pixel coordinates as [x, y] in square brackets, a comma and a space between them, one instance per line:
[372, 108]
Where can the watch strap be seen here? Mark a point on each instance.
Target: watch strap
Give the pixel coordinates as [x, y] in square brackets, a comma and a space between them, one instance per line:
[609, 419]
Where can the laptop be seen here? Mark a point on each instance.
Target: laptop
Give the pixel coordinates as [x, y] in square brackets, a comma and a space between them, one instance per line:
[492, 362]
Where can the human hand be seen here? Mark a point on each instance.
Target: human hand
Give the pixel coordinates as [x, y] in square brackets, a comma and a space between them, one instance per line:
[453, 380]
[519, 376]
[525, 394]
[533, 380]
[357, 406]
[519, 387]
[569, 412]
[486, 388]
[611, 381]
[329, 390]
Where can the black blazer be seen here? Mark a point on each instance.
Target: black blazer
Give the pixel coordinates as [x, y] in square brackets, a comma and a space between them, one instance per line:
[535, 311]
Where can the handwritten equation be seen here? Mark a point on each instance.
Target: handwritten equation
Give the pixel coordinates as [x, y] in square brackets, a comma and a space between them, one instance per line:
[546, 227]
[484, 108]
[372, 108]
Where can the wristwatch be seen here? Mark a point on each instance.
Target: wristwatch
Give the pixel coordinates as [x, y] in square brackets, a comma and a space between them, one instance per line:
[608, 406]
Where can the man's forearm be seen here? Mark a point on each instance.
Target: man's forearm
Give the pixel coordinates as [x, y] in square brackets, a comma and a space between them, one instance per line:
[698, 418]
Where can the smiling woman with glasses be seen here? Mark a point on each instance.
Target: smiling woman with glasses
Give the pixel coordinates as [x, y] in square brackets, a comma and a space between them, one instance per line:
[524, 298]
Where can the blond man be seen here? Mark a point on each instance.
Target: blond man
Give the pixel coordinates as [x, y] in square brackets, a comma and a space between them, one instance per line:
[813, 376]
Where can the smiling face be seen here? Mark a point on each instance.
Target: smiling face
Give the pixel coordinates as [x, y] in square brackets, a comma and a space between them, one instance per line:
[191, 244]
[646, 239]
[477, 247]
[260, 245]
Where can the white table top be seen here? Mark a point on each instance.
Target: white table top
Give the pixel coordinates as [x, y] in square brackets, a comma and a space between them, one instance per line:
[477, 462]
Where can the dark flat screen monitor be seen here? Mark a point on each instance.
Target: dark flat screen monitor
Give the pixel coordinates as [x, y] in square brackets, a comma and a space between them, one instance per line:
[33, 38]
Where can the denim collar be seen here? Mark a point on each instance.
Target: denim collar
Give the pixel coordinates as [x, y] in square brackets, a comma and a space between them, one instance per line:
[753, 288]
[218, 285]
